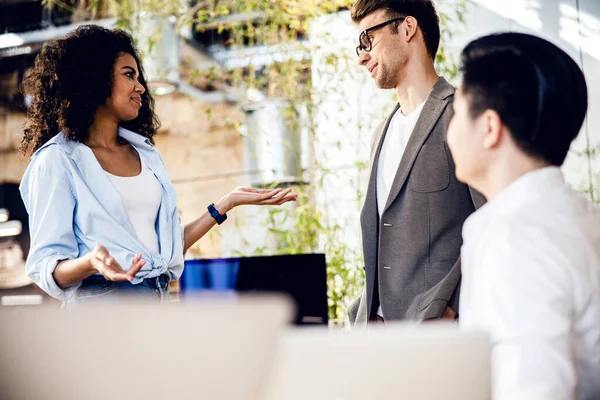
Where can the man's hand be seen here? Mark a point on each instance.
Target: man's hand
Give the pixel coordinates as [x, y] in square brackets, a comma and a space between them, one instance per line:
[449, 314]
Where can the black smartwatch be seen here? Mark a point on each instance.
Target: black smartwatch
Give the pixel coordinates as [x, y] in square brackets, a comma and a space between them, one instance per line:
[215, 214]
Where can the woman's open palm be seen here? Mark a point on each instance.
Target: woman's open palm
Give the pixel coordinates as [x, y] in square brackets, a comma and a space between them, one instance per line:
[110, 268]
[261, 197]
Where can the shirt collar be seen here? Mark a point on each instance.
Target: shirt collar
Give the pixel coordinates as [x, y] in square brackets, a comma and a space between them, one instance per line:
[415, 113]
[60, 140]
[135, 139]
[69, 145]
[533, 184]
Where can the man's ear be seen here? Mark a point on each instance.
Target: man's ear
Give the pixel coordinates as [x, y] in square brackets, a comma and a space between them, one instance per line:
[494, 129]
[409, 28]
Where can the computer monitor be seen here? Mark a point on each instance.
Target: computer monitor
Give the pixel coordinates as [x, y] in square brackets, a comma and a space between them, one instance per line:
[301, 276]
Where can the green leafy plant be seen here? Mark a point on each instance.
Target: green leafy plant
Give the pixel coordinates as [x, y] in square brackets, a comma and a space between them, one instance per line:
[592, 156]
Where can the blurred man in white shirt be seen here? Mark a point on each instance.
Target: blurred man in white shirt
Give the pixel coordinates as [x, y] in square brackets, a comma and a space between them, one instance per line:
[531, 255]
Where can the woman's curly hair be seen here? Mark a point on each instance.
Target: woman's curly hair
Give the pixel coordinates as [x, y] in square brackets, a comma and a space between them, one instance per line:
[71, 78]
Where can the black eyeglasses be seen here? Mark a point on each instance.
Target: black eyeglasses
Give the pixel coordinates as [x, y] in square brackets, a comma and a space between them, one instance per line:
[364, 42]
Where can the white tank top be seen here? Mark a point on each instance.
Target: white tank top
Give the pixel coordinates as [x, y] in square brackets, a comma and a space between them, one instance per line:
[141, 196]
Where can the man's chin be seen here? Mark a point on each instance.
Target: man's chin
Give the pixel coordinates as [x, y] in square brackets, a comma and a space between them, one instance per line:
[382, 84]
[463, 177]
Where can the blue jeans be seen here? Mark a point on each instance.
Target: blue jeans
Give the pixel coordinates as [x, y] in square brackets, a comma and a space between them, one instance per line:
[97, 289]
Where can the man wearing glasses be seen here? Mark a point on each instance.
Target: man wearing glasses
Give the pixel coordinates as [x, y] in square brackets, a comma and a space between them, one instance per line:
[415, 207]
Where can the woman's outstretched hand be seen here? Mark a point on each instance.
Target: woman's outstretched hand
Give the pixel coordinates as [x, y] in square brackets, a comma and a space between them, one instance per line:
[260, 197]
[102, 262]
[238, 197]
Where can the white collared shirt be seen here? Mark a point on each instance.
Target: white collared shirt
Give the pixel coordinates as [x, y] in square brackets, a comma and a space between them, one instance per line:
[531, 278]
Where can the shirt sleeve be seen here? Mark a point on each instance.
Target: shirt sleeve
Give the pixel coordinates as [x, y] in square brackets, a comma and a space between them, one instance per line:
[50, 203]
[527, 308]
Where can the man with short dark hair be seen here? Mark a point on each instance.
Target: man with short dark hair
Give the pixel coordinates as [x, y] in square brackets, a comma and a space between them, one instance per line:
[414, 206]
[531, 255]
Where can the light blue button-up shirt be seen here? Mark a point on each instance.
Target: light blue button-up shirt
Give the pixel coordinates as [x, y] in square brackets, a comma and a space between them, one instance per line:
[73, 206]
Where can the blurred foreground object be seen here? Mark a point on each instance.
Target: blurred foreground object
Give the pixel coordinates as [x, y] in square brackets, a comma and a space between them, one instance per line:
[217, 349]
[416, 362]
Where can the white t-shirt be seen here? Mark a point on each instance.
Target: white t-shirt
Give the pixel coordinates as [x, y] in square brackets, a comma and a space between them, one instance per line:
[394, 144]
[141, 196]
[531, 279]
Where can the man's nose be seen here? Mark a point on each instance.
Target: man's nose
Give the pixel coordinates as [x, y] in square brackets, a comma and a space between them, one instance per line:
[363, 57]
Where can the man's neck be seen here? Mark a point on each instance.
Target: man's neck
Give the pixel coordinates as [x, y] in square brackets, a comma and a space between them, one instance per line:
[503, 174]
[414, 89]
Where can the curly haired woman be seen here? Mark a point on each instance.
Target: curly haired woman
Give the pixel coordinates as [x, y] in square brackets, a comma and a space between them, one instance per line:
[103, 216]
